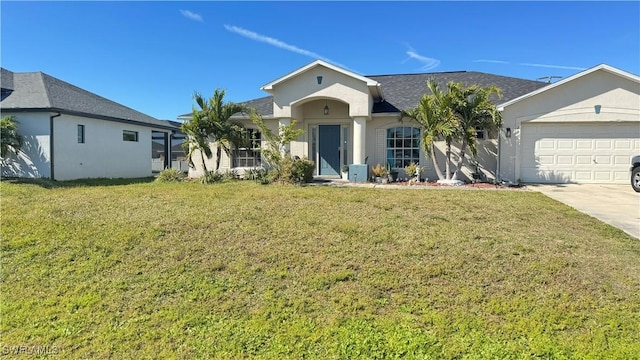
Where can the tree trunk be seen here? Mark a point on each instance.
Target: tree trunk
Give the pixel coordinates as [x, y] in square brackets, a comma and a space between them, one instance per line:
[218, 154]
[204, 165]
[435, 163]
[463, 149]
[447, 166]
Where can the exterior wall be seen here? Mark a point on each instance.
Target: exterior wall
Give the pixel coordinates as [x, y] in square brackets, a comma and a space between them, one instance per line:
[304, 88]
[104, 154]
[34, 160]
[376, 151]
[225, 161]
[572, 102]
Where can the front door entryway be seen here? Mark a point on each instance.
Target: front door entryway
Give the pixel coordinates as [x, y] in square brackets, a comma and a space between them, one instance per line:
[329, 149]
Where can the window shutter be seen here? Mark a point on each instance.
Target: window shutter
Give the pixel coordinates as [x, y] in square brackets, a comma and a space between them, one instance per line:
[381, 147]
[224, 163]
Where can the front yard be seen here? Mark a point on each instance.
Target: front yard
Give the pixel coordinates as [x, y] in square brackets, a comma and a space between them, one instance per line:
[232, 270]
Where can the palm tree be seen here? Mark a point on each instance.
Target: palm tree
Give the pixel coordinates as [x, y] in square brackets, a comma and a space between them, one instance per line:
[197, 139]
[10, 139]
[216, 114]
[435, 116]
[473, 110]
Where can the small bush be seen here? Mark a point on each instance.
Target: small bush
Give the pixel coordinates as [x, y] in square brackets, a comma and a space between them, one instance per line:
[294, 170]
[170, 175]
[259, 175]
[230, 175]
[211, 177]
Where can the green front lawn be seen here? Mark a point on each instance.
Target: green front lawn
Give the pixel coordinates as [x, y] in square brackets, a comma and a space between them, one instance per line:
[150, 270]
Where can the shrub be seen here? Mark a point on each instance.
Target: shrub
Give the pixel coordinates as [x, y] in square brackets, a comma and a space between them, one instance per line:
[302, 170]
[259, 175]
[229, 175]
[211, 177]
[170, 175]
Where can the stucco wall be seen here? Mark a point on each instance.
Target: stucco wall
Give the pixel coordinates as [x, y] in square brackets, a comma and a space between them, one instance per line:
[572, 102]
[335, 85]
[486, 157]
[34, 159]
[104, 154]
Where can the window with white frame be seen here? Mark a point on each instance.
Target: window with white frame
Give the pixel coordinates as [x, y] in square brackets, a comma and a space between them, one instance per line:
[403, 146]
[249, 156]
[481, 133]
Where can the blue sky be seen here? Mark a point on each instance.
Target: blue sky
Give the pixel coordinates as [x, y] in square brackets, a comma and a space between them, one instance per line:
[152, 56]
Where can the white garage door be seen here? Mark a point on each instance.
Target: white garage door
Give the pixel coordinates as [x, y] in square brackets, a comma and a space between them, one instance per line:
[578, 152]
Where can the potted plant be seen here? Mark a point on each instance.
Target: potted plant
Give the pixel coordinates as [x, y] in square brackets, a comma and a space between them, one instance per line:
[413, 170]
[345, 172]
[379, 173]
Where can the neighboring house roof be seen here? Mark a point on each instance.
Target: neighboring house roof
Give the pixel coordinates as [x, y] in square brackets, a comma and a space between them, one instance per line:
[603, 67]
[403, 91]
[37, 91]
[6, 79]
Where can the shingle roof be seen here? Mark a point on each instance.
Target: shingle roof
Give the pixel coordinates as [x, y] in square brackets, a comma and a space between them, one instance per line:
[6, 79]
[39, 91]
[403, 91]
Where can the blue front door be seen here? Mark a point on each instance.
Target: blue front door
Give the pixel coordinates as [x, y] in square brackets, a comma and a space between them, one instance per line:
[329, 149]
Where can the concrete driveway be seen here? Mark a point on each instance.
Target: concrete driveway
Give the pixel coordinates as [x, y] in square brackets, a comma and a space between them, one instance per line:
[616, 205]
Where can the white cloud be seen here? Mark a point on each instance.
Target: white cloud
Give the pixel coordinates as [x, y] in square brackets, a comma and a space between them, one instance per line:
[554, 66]
[428, 63]
[277, 43]
[531, 64]
[191, 15]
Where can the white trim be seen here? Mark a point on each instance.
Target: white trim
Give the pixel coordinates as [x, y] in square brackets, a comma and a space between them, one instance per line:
[604, 67]
[268, 87]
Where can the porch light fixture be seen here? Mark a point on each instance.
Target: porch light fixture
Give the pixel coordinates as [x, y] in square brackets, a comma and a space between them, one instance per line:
[326, 108]
[508, 132]
[319, 78]
[598, 108]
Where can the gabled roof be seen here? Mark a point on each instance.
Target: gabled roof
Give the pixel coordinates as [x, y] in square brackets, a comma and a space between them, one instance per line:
[268, 87]
[603, 67]
[38, 91]
[403, 91]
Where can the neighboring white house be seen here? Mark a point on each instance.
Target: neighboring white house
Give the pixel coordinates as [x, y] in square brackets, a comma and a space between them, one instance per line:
[581, 129]
[70, 133]
[353, 119]
[584, 128]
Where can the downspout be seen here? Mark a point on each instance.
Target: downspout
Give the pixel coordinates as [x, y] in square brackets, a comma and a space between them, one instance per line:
[51, 144]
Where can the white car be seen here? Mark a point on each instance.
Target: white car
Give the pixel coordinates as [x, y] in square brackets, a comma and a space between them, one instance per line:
[635, 173]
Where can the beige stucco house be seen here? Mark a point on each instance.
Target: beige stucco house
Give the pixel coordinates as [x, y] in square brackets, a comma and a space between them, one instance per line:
[581, 129]
[353, 119]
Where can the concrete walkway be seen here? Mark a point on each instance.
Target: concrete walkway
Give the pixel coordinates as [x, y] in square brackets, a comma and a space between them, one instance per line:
[616, 205]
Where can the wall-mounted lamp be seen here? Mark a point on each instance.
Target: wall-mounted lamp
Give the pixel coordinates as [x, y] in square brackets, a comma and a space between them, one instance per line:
[319, 78]
[508, 132]
[598, 108]
[326, 108]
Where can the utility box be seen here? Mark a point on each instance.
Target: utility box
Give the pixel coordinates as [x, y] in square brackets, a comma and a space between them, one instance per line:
[358, 173]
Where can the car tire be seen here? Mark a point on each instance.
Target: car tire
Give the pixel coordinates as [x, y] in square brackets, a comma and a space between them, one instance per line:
[635, 178]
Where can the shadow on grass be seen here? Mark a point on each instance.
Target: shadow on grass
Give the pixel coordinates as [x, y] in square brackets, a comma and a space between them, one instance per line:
[51, 184]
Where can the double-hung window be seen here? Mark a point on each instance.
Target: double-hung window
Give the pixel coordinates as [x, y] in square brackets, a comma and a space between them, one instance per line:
[248, 156]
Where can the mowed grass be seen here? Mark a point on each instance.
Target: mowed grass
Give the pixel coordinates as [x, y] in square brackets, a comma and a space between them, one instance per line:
[240, 270]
